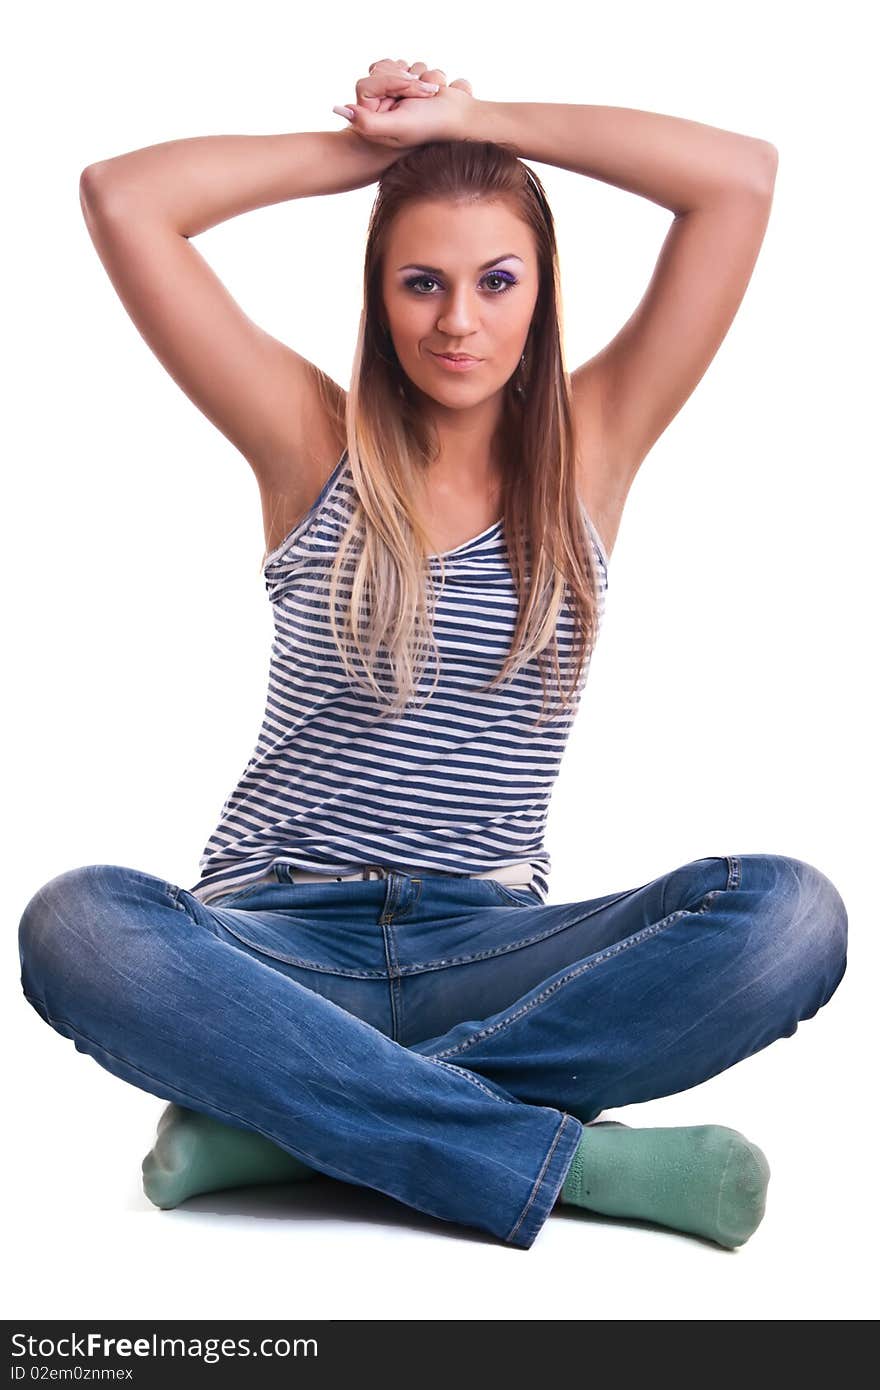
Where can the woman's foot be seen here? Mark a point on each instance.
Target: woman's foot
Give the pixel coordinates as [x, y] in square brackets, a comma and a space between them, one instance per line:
[195, 1153]
[707, 1180]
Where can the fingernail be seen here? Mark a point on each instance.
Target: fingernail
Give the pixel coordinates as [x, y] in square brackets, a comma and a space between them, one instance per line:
[347, 112]
[430, 86]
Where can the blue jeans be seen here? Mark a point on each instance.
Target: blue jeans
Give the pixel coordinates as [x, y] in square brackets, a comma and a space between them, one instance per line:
[439, 1039]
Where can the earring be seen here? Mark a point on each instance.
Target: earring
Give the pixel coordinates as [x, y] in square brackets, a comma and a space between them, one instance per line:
[519, 384]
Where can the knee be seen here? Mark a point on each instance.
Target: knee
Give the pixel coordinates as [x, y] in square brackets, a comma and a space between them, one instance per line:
[804, 919]
[70, 932]
[54, 929]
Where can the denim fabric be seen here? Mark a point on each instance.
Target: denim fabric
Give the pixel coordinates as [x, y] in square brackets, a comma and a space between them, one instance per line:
[442, 1040]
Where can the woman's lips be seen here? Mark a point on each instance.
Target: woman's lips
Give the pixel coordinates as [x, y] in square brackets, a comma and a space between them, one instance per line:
[452, 364]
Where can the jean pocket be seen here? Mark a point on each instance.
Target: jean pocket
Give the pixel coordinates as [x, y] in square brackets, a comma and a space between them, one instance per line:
[694, 884]
[517, 897]
[238, 895]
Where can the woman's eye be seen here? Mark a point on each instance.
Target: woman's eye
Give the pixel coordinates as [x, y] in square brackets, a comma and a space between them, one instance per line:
[506, 280]
[499, 275]
[419, 280]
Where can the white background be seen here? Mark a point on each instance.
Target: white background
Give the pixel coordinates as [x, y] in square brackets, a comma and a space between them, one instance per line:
[728, 705]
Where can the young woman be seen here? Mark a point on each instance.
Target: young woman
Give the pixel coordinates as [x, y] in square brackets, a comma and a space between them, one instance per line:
[367, 980]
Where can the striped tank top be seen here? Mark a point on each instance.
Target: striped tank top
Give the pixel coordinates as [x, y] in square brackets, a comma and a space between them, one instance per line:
[462, 785]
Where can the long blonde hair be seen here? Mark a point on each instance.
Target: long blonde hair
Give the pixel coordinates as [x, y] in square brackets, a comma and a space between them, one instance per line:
[387, 595]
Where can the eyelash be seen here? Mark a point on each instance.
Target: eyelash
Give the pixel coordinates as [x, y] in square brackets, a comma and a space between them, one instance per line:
[505, 275]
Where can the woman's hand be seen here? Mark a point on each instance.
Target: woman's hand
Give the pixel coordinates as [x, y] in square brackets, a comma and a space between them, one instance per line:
[395, 108]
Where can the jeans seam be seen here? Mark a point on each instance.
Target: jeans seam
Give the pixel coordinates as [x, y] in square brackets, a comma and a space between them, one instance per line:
[263, 950]
[390, 906]
[516, 945]
[468, 1076]
[538, 1180]
[393, 974]
[404, 970]
[645, 934]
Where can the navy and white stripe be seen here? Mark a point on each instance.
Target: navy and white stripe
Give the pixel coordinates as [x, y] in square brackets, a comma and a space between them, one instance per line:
[461, 786]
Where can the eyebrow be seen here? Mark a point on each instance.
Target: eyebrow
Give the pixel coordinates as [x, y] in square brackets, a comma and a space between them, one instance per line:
[433, 270]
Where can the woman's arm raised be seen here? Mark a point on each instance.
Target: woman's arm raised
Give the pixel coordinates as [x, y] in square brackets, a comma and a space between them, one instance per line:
[719, 186]
[282, 413]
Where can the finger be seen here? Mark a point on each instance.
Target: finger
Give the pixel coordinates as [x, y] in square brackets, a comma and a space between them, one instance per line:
[370, 95]
[392, 65]
[379, 84]
[463, 84]
[397, 67]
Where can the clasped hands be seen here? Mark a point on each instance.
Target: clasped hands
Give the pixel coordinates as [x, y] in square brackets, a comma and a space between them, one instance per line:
[402, 104]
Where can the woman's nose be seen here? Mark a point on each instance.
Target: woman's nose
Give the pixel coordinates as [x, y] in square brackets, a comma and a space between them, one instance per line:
[461, 316]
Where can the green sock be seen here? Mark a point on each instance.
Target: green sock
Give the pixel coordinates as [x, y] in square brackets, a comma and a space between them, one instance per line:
[707, 1180]
[195, 1153]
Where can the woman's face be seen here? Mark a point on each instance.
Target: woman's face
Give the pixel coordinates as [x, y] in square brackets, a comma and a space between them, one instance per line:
[459, 278]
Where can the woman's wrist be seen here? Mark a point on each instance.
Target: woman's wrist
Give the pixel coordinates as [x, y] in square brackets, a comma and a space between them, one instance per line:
[496, 121]
[368, 159]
